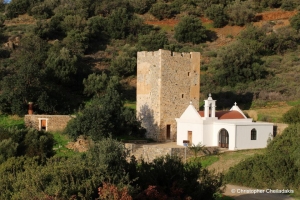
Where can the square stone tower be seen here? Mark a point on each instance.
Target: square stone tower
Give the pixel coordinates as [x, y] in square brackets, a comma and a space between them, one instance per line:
[166, 83]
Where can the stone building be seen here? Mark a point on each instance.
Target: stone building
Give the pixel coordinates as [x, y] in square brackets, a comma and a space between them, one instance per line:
[47, 122]
[165, 82]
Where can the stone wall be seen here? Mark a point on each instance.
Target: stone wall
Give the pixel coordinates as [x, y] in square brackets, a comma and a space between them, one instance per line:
[148, 91]
[150, 152]
[53, 122]
[166, 83]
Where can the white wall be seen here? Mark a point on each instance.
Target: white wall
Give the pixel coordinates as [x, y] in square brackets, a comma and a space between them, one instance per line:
[231, 132]
[208, 136]
[244, 136]
[182, 132]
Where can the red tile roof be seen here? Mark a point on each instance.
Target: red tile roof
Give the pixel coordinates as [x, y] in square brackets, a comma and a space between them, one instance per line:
[226, 114]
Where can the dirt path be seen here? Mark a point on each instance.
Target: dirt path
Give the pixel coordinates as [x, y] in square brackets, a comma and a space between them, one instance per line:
[245, 193]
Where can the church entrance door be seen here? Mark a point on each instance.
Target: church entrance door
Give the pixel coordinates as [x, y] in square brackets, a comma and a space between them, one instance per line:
[223, 138]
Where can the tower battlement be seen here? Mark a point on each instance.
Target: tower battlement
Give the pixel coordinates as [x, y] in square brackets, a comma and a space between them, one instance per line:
[166, 82]
[166, 53]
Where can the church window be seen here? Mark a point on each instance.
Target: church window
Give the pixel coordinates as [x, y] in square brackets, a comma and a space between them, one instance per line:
[253, 134]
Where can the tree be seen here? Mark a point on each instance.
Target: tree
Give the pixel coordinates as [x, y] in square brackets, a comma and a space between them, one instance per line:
[62, 63]
[240, 13]
[197, 148]
[8, 148]
[190, 29]
[239, 63]
[141, 6]
[292, 116]
[118, 23]
[95, 84]
[25, 142]
[277, 167]
[295, 22]
[77, 42]
[153, 41]
[105, 115]
[217, 13]
[168, 176]
[162, 10]
[25, 81]
[284, 39]
[123, 65]
[38, 143]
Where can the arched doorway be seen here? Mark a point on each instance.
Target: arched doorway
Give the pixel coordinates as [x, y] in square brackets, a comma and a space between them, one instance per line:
[223, 138]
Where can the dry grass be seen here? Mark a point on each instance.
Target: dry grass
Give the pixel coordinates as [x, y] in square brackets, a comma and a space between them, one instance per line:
[271, 112]
[231, 158]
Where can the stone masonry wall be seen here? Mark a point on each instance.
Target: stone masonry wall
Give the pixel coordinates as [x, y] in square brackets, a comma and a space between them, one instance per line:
[148, 91]
[54, 122]
[166, 83]
[180, 85]
[150, 152]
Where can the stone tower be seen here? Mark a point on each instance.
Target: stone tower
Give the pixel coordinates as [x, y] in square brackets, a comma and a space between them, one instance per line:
[166, 83]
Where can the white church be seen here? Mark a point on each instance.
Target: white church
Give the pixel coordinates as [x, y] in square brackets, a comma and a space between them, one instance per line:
[226, 129]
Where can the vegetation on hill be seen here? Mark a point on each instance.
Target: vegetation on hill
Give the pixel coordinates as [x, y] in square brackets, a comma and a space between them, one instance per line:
[76, 57]
[46, 61]
[106, 163]
[277, 168]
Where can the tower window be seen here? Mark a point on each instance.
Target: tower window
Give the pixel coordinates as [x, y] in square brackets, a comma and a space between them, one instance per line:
[188, 73]
[182, 95]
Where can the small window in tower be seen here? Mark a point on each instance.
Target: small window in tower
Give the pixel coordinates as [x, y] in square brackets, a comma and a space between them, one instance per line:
[188, 73]
[182, 95]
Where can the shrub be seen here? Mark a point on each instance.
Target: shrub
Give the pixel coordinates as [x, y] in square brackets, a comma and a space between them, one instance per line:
[217, 13]
[240, 13]
[25, 142]
[278, 167]
[289, 5]
[141, 6]
[153, 41]
[168, 177]
[104, 115]
[162, 11]
[295, 22]
[292, 116]
[190, 29]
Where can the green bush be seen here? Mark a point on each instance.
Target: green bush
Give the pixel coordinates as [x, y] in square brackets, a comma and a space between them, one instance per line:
[153, 41]
[141, 6]
[289, 5]
[292, 116]
[65, 178]
[190, 29]
[217, 13]
[162, 11]
[25, 142]
[240, 13]
[239, 63]
[172, 178]
[277, 168]
[105, 115]
[295, 22]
